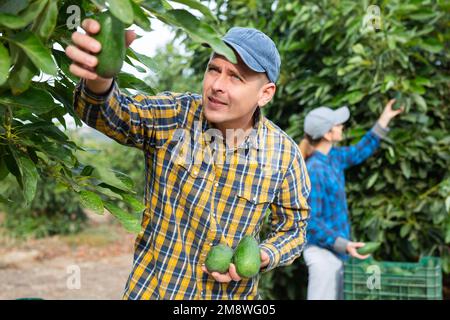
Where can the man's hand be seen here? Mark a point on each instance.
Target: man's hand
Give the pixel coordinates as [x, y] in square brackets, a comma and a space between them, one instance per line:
[224, 277]
[388, 114]
[83, 54]
[351, 249]
[265, 259]
[232, 275]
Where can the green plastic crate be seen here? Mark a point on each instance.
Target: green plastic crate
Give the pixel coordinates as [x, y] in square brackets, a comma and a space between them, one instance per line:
[385, 280]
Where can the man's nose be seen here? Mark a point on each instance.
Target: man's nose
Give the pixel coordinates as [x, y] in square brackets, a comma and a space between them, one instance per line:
[219, 83]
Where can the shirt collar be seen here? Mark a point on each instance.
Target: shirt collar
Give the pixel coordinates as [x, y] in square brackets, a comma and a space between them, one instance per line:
[253, 140]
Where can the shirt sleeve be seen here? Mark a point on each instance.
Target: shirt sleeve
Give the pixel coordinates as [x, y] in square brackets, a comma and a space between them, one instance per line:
[288, 218]
[357, 153]
[134, 120]
[323, 235]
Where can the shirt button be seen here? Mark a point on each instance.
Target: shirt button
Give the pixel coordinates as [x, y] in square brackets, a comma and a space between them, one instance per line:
[216, 184]
[195, 172]
[211, 244]
[255, 198]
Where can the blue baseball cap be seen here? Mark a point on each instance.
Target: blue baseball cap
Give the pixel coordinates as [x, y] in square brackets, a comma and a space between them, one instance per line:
[256, 49]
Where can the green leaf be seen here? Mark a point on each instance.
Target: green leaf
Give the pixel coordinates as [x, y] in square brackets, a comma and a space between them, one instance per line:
[130, 222]
[405, 229]
[354, 97]
[145, 60]
[57, 152]
[87, 170]
[126, 180]
[372, 180]
[12, 164]
[156, 6]
[194, 4]
[447, 204]
[109, 177]
[137, 205]
[358, 49]
[91, 201]
[432, 45]
[199, 32]
[5, 63]
[13, 6]
[36, 51]
[109, 191]
[420, 101]
[140, 17]
[46, 22]
[29, 15]
[122, 10]
[29, 177]
[388, 175]
[36, 100]
[21, 74]
[447, 235]
[127, 80]
[4, 200]
[406, 169]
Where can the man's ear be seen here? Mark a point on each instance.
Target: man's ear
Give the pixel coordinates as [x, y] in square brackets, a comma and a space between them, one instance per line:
[267, 92]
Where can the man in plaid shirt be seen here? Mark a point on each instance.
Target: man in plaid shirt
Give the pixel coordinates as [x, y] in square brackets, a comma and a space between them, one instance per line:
[214, 165]
[329, 240]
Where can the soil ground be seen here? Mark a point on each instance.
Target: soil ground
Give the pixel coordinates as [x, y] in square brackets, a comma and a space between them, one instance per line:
[93, 264]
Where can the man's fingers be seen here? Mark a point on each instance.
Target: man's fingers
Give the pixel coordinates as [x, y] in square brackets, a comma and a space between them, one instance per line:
[130, 36]
[357, 255]
[265, 259]
[233, 273]
[90, 26]
[221, 277]
[400, 110]
[225, 277]
[82, 72]
[390, 103]
[86, 42]
[81, 57]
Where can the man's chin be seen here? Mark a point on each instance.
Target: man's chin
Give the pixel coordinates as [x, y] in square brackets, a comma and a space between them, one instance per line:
[213, 116]
[213, 119]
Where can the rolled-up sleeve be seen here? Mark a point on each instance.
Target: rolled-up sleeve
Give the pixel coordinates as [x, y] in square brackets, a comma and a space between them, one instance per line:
[132, 120]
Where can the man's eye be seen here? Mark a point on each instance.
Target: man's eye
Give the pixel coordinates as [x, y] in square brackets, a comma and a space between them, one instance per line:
[237, 77]
[212, 69]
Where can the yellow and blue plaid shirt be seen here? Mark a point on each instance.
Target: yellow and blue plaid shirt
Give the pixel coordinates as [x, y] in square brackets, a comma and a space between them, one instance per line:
[200, 193]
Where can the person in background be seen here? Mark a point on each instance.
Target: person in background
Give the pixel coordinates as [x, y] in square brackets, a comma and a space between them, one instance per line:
[329, 242]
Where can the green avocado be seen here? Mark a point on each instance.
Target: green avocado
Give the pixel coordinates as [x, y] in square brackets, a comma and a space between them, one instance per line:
[247, 257]
[398, 101]
[219, 258]
[398, 271]
[112, 38]
[368, 248]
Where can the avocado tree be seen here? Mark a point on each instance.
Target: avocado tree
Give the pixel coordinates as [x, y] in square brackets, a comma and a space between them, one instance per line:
[36, 91]
[360, 54]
